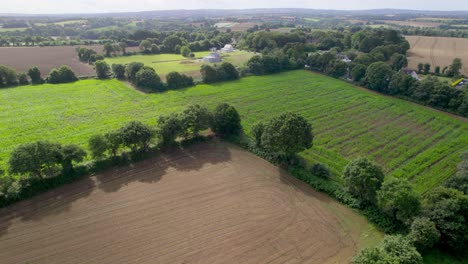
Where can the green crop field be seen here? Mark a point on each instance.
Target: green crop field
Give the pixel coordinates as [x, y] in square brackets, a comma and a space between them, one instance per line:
[410, 141]
[165, 63]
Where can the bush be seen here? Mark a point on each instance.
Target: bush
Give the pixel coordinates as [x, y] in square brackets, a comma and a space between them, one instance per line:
[8, 76]
[35, 75]
[118, 70]
[320, 170]
[23, 79]
[62, 75]
[424, 234]
[102, 69]
[147, 78]
[396, 249]
[176, 80]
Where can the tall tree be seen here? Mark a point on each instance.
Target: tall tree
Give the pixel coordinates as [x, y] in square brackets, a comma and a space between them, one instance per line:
[363, 179]
[71, 153]
[226, 120]
[398, 199]
[35, 75]
[102, 69]
[195, 118]
[287, 135]
[378, 76]
[136, 135]
[35, 159]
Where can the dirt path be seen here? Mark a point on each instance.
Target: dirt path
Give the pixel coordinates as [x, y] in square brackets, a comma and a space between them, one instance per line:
[210, 203]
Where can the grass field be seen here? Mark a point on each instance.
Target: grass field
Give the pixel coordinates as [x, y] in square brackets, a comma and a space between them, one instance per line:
[437, 51]
[409, 140]
[208, 203]
[165, 63]
[12, 29]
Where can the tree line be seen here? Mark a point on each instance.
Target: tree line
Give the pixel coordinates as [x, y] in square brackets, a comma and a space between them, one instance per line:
[9, 77]
[41, 165]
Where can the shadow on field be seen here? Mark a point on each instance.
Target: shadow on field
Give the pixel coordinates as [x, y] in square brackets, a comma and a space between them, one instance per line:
[149, 171]
[191, 158]
[54, 202]
[305, 188]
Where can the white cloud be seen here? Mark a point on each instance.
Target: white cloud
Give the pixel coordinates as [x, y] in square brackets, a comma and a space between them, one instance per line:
[100, 6]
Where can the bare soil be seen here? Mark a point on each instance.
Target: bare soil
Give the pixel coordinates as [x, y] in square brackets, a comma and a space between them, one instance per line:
[47, 58]
[209, 203]
[437, 51]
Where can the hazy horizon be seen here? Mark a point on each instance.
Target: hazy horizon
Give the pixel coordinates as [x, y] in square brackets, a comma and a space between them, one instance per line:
[118, 6]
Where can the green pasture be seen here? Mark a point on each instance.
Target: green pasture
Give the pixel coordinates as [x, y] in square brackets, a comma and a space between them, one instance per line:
[409, 140]
[165, 63]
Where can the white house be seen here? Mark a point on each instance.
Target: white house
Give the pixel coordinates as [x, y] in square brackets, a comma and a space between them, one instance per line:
[212, 58]
[227, 48]
[412, 73]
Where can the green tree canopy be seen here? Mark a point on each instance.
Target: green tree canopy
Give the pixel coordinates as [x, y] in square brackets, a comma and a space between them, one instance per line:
[287, 135]
[195, 118]
[169, 128]
[378, 76]
[71, 153]
[424, 234]
[226, 120]
[136, 135]
[398, 199]
[35, 159]
[102, 69]
[363, 179]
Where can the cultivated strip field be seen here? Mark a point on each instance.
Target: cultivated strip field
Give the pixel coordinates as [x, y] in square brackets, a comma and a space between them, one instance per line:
[437, 51]
[409, 140]
[210, 203]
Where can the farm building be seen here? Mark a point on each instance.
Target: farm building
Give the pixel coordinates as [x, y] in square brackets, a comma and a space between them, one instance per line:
[412, 73]
[344, 58]
[213, 57]
[227, 48]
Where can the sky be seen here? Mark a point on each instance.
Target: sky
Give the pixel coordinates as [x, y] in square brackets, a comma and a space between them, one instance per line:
[104, 6]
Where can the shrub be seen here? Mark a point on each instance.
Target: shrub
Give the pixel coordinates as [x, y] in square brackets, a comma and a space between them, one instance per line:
[118, 70]
[176, 80]
[147, 78]
[320, 170]
[424, 234]
[8, 76]
[102, 69]
[23, 79]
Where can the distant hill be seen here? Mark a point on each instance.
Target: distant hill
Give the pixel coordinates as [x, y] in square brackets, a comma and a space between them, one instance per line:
[262, 11]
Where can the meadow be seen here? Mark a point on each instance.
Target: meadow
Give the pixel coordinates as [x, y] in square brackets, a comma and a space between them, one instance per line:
[409, 140]
[166, 63]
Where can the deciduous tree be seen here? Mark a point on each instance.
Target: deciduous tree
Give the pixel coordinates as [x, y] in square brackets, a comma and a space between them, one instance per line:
[226, 120]
[363, 179]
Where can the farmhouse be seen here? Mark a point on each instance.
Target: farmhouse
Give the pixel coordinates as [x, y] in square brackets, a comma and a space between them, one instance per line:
[227, 48]
[344, 58]
[412, 73]
[212, 58]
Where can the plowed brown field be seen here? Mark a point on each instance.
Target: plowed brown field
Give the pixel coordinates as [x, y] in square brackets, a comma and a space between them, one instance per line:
[46, 58]
[209, 203]
[437, 51]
